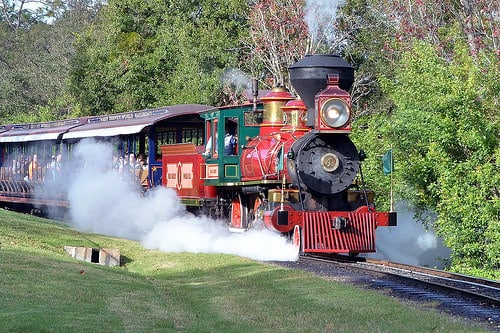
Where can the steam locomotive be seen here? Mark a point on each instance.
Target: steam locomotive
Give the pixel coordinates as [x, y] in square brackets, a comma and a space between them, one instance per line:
[295, 169]
[276, 161]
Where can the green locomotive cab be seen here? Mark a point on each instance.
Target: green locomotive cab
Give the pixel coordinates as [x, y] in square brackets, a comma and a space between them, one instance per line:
[227, 131]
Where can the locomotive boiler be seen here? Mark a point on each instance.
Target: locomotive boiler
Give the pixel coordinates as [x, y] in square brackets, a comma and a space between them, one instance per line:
[296, 171]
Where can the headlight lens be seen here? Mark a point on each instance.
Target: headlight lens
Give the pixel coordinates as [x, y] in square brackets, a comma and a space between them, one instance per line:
[335, 112]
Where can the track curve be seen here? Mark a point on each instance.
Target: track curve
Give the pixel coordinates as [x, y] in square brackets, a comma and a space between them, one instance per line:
[465, 297]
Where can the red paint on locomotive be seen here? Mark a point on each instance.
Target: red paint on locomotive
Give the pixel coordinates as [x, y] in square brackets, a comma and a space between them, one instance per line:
[260, 158]
[262, 155]
[183, 171]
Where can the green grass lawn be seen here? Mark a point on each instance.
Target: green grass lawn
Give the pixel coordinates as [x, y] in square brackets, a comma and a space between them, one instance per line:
[45, 290]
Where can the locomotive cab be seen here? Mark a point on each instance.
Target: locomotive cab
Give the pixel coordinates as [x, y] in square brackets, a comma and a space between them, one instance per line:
[227, 131]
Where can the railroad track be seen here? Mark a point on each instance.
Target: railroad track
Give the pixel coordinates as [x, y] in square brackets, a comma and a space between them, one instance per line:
[465, 296]
[487, 291]
[481, 289]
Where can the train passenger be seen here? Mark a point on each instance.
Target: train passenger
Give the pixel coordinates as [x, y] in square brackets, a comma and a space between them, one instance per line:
[133, 168]
[33, 168]
[208, 147]
[114, 163]
[143, 174]
[56, 167]
[125, 161]
[16, 169]
[121, 166]
[132, 163]
[140, 157]
[24, 167]
[230, 142]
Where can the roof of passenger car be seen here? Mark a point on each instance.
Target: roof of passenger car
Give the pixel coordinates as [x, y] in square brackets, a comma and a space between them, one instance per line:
[130, 122]
[37, 131]
[97, 126]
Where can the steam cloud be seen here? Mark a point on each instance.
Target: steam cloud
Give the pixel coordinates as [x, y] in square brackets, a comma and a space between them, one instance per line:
[102, 202]
[410, 243]
[237, 79]
[320, 18]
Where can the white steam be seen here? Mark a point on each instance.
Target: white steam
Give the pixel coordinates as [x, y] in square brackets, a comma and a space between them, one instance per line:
[104, 203]
[213, 237]
[236, 79]
[320, 16]
[410, 243]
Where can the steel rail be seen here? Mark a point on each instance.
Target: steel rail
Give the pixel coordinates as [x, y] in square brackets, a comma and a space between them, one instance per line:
[486, 291]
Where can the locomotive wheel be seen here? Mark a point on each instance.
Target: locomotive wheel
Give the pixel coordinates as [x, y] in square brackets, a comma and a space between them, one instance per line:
[297, 239]
[238, 215]
[256, 217]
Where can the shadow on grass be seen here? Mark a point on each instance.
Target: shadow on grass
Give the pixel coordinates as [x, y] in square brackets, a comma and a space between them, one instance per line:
[125, 260]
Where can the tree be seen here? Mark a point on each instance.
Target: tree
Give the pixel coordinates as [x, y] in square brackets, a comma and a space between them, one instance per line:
[428, 20]
[157, 53]
[379, 31]
[438, 107]
[282, 32]
[368, 48]
[208, 44]
[278, 38]
[21, 14]
[35, 57]
[447, 129]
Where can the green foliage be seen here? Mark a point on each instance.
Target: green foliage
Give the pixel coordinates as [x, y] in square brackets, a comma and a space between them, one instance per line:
[34, 63]
[445, 129]
[370, 134]
[28, 76]
[142, 55]
[368, 47]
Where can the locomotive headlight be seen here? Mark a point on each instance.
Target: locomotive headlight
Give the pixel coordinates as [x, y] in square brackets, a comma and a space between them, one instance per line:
[335, 112]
